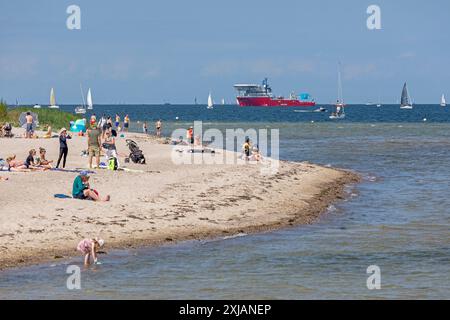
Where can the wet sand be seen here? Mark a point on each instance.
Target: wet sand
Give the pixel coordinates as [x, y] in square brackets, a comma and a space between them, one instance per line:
[159, 203]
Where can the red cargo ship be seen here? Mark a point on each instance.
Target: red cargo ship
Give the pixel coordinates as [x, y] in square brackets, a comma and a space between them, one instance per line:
[261, 96]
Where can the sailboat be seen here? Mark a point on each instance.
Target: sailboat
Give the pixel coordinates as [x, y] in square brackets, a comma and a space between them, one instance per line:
[53, 104]
[210, 102]
[405, 99]
[379, 102]
[223, 101]
[90, 105]
[443, 103]
[81, 109]
[340, 106]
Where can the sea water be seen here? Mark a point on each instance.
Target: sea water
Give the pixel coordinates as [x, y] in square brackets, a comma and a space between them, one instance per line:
[397, 218]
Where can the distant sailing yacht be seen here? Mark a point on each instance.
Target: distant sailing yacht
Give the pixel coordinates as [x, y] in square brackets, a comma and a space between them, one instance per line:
[81, 109]
[443, 103]
[223, 101]
[53, 104]
[90, 105]
[210, 102]
[405, 101]
[379, 102]
[340, 111]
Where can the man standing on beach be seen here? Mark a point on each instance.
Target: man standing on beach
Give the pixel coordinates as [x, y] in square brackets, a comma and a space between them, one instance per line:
[94, 142]
[29, 129]
[126, 123]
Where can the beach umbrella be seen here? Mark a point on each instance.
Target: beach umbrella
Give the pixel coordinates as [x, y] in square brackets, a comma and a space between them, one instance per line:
[23, 120]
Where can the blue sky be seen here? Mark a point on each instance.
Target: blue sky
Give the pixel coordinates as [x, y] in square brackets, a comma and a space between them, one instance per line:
[172, 51]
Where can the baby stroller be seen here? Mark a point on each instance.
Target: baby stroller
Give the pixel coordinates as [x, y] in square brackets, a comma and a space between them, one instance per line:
[7, 128]
[136, 154]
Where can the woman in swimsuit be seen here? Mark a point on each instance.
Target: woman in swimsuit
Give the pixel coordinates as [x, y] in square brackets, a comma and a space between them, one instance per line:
[42, 161]
[16, 165]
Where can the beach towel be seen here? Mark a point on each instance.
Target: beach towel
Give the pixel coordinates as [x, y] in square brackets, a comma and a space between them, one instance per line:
[62, 196]
[78, 170]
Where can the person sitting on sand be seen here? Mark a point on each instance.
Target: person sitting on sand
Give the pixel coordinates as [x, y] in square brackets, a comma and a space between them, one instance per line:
[42, 161]
[89, 247]
[81, 189]
[256, 156]
[48, 134]
[29, 161]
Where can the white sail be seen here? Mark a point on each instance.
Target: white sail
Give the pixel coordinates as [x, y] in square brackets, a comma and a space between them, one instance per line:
[223, 101]
[210, 101]
[89, 100]
[340, 92]
[405, 100]
[443, 102]
[53, 100]
[52, 97]
[340, 111]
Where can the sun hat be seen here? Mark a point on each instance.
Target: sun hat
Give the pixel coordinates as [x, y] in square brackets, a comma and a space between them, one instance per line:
[62, 130]
[84, 173]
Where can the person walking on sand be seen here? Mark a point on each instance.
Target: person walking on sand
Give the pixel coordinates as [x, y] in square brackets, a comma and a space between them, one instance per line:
[190, 135]
[94, 143]
[117, 123]
[63, 149]
[126, 123]
[144, 128]
[90, 247]
[29, 129]
[158, 126]
[81, 189]
[246, 148]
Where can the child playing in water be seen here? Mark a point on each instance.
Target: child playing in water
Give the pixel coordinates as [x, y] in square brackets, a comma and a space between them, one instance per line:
[89, 247]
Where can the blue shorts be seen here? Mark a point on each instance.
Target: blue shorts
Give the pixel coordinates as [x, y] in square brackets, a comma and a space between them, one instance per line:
[29, 127]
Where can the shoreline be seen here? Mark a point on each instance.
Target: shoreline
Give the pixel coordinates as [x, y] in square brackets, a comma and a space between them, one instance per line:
[168, 204]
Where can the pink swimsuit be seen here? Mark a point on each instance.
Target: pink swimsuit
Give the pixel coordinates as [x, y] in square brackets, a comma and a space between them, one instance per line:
[85, 246]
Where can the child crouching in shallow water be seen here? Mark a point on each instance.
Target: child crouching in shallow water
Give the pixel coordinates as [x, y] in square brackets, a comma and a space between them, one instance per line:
[90, 247]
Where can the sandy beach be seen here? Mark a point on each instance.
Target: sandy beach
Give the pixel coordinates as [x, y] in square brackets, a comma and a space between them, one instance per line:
[159, 202]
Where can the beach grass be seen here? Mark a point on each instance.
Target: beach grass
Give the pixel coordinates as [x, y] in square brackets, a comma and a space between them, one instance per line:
[57, 119]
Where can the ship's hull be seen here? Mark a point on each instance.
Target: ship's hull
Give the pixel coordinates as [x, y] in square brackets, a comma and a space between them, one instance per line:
[272, 102]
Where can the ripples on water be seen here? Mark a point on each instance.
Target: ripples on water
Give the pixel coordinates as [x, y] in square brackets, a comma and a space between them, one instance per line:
[398, 218]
